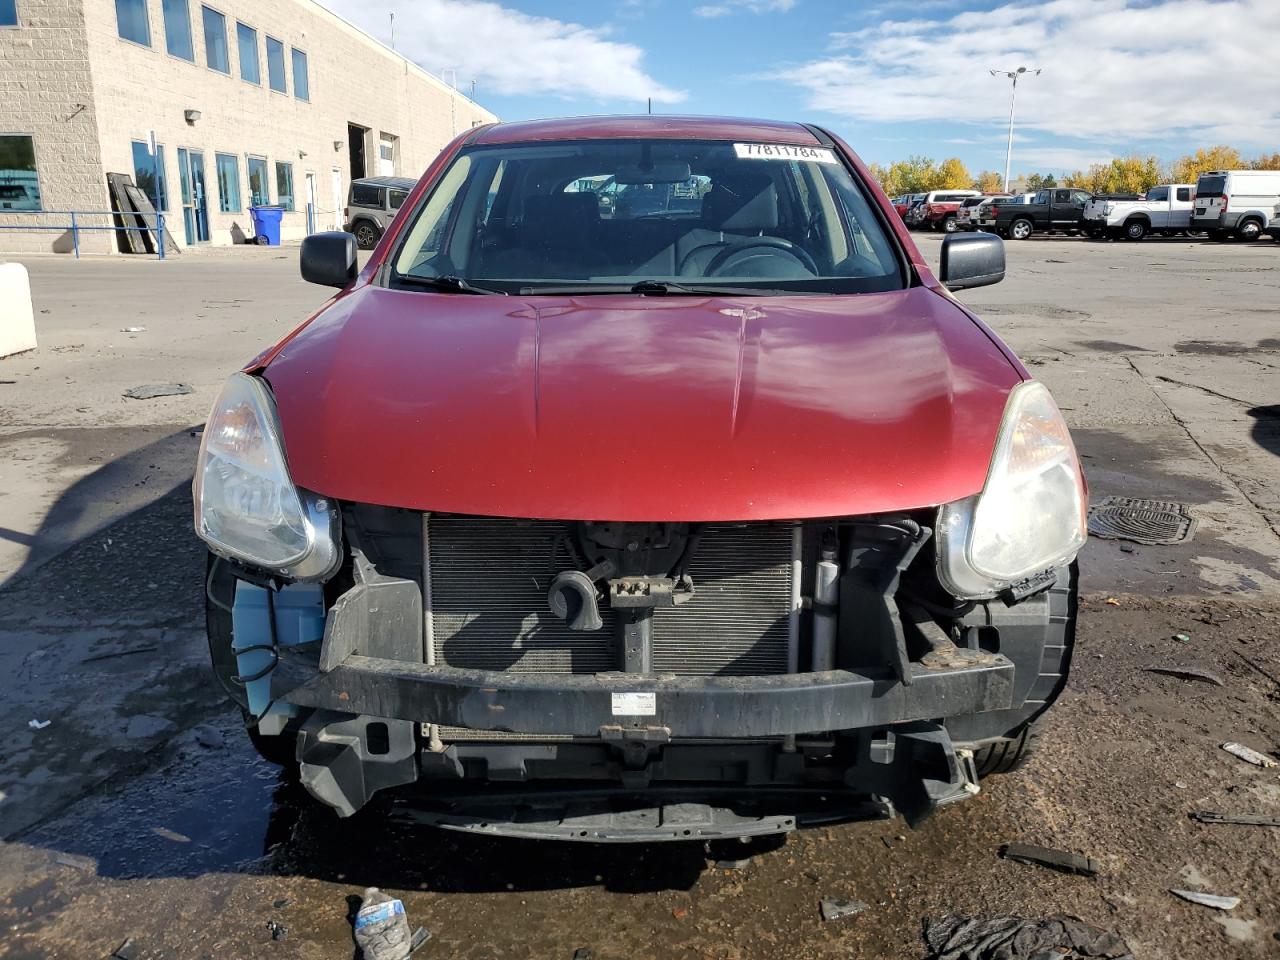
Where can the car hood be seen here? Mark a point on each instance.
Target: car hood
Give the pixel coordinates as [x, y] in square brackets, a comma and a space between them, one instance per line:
[642, 408]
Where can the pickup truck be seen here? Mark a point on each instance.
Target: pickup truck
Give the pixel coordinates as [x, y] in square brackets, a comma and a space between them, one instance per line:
[1060, 209]
[938, 210]
[1166, 209]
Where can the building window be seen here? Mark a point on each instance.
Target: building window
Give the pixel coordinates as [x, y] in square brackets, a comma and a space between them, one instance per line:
[131, 21]
[177, 30]
[8, 13]
[284, 184]
[215, 41]
[144, 173]
[19, 182]
[247, 48]
[258, 195]
[275, 65]
[301, 86]
[228, 183]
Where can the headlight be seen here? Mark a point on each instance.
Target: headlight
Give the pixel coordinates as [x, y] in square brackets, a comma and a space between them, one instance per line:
[1030, 516]
[246, 506]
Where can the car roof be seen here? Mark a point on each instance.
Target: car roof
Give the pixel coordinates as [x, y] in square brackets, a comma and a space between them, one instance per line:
[400, 183]
[658, 127]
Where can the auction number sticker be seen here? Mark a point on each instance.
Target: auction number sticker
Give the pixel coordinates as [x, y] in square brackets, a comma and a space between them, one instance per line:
[784, 151]
[635, 704]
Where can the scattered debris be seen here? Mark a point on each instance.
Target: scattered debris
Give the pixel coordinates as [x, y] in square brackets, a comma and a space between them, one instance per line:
[119, 653]
[1259, 669]
[733, 864]
[1208, 899]
[583, 953]
[38, 724]
[1053, 859]
[1021, 938]
[679, 913]
[833, 909]
[126, 951]
[1248, 755]
[70, 860]
[168, 834]
[278, 930]
[1180, 784]
[381, 927]
[1188, 673]
[208, 737]
[282, 903]
[420, 936]
[1182, 637]
[1112, 601]
[1244, 819]
[133, 329]
[149, 391]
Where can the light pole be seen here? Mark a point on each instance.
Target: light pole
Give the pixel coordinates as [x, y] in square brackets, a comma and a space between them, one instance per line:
[1013, 97]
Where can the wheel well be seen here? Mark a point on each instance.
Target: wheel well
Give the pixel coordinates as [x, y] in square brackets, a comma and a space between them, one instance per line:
[356, 221]
[1137, 218]
[1251, 218]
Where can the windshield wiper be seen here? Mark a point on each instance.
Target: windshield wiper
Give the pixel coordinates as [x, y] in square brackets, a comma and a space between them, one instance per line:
[447, 284]
[655, 288]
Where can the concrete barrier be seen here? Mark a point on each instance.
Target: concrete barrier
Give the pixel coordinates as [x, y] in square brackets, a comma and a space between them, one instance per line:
[17, 318]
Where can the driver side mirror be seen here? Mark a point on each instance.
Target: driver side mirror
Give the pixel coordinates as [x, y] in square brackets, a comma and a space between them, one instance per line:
[329, 258]
[971, 260]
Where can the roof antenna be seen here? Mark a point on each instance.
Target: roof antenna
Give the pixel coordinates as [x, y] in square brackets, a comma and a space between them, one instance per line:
[393, 29]
[651, 104]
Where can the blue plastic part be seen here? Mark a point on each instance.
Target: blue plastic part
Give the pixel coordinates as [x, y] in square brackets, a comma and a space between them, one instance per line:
[299, 610]
[266, 223]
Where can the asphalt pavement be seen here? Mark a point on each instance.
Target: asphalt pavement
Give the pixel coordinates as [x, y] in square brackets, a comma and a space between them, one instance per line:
[139, 810]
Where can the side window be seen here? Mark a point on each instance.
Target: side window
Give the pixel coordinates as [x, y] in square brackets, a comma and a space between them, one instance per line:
[365, 195]
[1158, 193]
[1062, 196]
[396, 198]
[1184, 194]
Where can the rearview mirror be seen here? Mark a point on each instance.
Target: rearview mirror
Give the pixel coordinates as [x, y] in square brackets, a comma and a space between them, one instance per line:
[655, 173]
[971, 260]
[329, 258]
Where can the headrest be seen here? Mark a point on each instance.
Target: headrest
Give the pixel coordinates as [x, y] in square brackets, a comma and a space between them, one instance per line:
[562, 210]
[740, 206]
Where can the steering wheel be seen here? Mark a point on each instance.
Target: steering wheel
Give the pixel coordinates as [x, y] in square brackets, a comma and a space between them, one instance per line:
[799, 254]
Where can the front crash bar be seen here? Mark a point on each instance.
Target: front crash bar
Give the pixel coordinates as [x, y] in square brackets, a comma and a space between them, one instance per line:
[704, 707]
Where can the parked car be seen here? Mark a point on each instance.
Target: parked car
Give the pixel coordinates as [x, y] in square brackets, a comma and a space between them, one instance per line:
[657, 529]
[1273, 228]
[1166, 209]
[904, 204]
[372, 203]
[1239, 203]
[1057, 210]
[984, 218]
[971, 210]
[938, 210]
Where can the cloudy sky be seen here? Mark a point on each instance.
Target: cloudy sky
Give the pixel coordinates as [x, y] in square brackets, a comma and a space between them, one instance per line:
[894, 77]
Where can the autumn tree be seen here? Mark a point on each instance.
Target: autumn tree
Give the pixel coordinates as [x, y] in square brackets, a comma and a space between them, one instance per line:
[1268, 161]
[1187, 169]
[989, 182]
[953, 175]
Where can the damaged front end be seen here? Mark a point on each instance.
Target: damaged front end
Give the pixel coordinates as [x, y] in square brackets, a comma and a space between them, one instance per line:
[626, 681]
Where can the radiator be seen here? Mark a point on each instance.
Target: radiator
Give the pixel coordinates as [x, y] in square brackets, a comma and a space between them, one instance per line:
[487, 599]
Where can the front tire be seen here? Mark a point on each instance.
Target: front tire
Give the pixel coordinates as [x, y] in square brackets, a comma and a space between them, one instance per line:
[1021, 229]
[366, 235]
[1008, 753]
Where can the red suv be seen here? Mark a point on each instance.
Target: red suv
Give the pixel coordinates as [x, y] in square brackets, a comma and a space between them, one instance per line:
[673, 521]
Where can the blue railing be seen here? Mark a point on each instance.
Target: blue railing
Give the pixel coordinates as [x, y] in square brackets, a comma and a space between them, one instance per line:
[76, 226]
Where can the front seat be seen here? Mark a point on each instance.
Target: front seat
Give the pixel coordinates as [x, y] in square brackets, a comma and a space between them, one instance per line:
[732, 211]
[555, 240]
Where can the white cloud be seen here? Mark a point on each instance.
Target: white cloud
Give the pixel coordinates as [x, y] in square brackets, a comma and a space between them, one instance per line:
[509, 52]
[1198, 71]
[1059, 158]
[725, 7]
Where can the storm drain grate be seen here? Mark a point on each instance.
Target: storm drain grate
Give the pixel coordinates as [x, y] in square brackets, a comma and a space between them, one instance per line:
[1142, 521]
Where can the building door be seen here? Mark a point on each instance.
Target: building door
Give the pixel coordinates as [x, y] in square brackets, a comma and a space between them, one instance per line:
[195, 213]
[311, 202]
[337, 199]
[355, 148]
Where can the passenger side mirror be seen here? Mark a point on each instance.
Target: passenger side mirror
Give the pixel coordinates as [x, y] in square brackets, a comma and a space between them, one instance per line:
[971, 260]
[329, 258]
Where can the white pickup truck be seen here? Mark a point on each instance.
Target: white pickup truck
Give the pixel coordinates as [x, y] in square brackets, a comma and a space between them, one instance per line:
[1166, 209]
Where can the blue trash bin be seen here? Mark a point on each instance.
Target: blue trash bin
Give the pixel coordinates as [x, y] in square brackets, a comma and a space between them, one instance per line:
[266, 225]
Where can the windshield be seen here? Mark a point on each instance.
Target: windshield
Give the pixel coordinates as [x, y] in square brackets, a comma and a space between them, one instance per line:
[600, 215]
[1210, 186]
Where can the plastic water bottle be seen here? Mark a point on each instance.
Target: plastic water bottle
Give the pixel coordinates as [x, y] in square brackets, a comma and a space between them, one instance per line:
[382, 929]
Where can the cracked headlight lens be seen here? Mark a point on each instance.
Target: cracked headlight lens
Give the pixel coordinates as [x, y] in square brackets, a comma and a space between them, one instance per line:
[1031, 515]
[246, 506]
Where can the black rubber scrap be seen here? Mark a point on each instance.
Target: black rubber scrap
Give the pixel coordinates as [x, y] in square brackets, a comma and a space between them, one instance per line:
[1021, 938]
[1053, 859]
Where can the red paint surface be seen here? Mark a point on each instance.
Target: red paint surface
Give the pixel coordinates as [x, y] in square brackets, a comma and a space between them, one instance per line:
[623, 407]
[642, 408]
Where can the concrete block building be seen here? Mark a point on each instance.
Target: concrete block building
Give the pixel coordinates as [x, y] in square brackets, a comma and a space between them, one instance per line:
[247, 102]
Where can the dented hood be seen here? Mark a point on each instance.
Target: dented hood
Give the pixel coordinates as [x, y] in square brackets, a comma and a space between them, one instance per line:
[642, 408]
